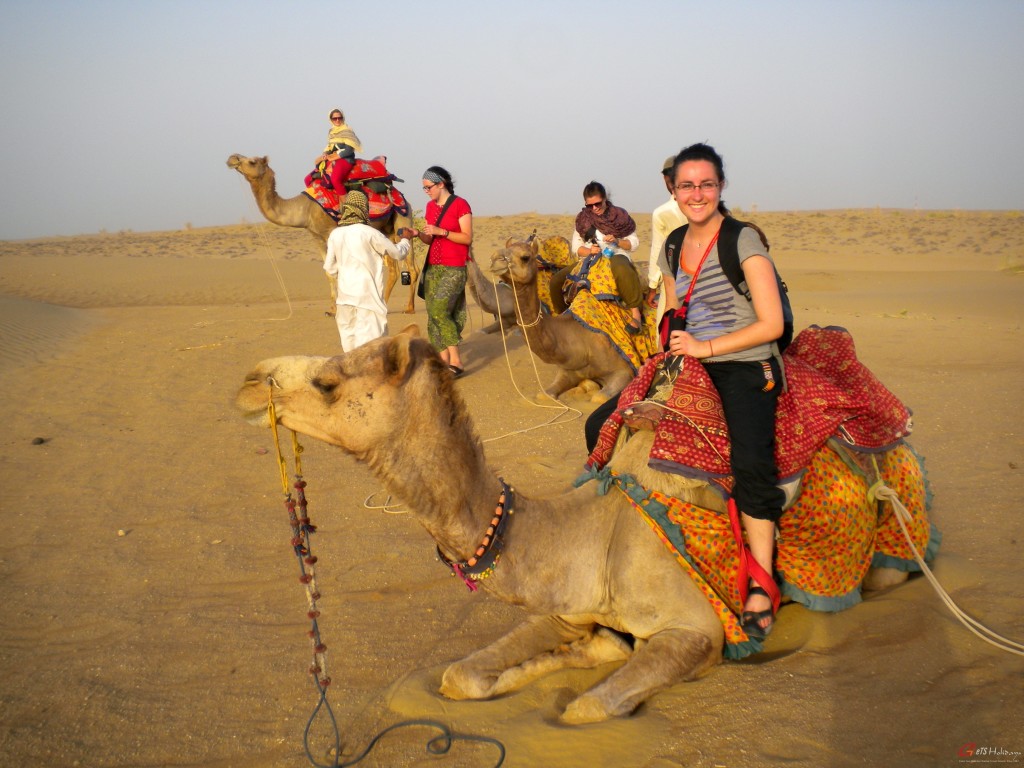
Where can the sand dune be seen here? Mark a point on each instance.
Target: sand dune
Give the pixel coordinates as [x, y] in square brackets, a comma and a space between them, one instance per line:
[151, 613]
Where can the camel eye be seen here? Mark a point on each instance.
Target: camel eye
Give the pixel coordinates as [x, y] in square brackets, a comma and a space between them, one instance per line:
[327, 381]
[325, 385]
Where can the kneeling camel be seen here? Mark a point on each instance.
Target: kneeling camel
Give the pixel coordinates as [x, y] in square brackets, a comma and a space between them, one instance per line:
[586, 567]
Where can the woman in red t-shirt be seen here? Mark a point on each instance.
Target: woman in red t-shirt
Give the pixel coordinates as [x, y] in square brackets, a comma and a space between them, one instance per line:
[448, 235]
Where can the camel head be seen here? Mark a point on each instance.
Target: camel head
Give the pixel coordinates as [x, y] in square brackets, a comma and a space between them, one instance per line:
[516, 263]
[358, 401]
[251, 167]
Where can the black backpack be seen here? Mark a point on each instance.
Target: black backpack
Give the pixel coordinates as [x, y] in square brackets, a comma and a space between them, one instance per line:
[729, 258]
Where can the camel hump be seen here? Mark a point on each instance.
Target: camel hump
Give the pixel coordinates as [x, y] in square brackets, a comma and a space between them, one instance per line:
[372, 170]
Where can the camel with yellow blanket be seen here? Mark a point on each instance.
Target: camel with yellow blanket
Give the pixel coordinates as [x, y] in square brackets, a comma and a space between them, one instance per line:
[588, 343]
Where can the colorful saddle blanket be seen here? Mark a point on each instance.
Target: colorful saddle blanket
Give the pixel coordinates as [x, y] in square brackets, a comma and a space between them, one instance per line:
[552, 255]
[370, 176]
[596, 306]
[833, 415]
[829, 394]
[827, 540]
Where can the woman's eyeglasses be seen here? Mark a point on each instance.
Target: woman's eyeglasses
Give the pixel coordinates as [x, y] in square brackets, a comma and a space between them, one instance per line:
[430, 186]
[336, 118]
[594, 206]
[706, 187]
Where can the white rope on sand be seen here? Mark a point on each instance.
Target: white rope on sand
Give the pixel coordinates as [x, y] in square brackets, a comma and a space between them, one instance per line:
[883, 492]
[562, 408]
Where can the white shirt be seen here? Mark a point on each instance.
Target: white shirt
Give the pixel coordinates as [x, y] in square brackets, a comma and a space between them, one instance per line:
[666, 217]
[577, 243]
[355, 258]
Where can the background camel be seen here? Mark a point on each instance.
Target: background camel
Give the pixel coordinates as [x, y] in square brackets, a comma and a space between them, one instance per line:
[580, 354]
[492, 297]
[581, 564]
[303, 212]
[496, 297]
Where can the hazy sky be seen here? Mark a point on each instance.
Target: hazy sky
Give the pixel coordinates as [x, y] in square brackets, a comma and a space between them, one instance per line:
[121, 114]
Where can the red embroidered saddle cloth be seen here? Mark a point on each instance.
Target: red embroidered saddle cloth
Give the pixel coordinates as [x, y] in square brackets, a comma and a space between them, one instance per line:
[829, 394]
[372, 178]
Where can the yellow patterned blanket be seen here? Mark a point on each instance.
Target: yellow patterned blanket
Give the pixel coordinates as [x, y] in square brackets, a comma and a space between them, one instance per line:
[835, 423]
[827, 540]
[552, 255]
[597, 308]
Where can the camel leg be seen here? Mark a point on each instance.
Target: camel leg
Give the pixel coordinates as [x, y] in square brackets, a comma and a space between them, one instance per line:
[487, 672]
[615, 384]
[332, 310]
[602, 647]
[667, 658]
[563, 381]
[391, 279]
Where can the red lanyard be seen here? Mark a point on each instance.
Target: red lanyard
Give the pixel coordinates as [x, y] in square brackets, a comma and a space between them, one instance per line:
[676, 318]
[681, 312]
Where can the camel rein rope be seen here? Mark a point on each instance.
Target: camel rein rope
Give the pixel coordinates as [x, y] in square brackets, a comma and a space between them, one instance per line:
[881, 492]
[302, 529]
[562, 408]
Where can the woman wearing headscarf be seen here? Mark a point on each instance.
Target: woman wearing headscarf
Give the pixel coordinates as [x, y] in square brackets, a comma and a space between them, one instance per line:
[355, 260]
[448, 237]
[339, 156]
[604, 228]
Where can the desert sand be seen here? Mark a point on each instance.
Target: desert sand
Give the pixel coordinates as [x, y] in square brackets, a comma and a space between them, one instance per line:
[151, 610]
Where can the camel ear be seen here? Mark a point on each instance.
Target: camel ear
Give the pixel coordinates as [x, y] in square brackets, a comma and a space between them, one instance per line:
[535, 243]
[510, 241]
[404, 353]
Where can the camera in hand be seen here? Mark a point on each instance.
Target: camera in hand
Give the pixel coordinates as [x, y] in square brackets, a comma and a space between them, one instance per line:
[406, 279]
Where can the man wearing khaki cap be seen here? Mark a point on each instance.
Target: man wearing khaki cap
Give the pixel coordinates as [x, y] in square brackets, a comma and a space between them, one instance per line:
[665, 218]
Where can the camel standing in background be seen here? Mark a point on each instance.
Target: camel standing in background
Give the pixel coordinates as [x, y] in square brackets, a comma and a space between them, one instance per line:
[301, 211]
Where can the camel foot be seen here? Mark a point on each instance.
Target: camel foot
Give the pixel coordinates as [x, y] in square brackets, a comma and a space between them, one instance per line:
[883, 578]
[459, 683]
[543, 398]
[492, 328]
[586, 709]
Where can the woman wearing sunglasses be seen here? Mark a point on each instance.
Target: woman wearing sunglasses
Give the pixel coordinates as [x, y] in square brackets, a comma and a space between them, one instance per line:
[605, 228]
[340, 136]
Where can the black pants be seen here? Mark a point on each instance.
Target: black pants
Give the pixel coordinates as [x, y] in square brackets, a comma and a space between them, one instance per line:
[750, 418]
[596, 420]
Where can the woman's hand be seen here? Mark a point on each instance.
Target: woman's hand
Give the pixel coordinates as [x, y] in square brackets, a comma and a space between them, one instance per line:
[432, 231]
[683, 343]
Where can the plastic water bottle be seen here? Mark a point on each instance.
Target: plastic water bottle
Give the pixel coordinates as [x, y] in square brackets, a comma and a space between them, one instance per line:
[607, 250]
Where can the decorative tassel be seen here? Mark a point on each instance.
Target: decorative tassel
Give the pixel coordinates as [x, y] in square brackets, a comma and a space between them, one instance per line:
[469, 582]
